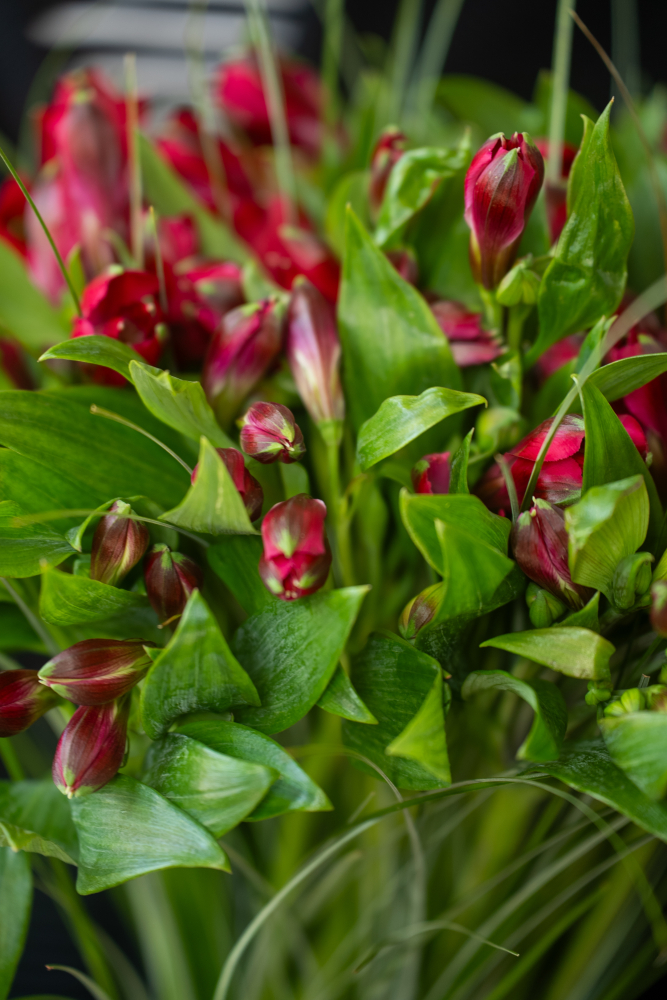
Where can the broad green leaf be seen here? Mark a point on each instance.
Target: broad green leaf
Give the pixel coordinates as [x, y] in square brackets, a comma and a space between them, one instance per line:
[35, 816]
[587, 275]
[609, 523]
[291, 649]
[458, 467]
[545, 738]
[472, 572]
[570, 650]
[195, 672]
[212, 505]
[622, 377]
[340, 698]
[96, 350]
[401, 419]
[71, 600]
[293, 790]
[35, 488]
[586, 617]
[395, 680]
[487, 105]
[218, 790]
[391, 341]
[15, 905]
[637, 743]
[235, 559]
[178, 403]
[412, 183]
[588, 767]
[169, 195]
[579, 167]
[610, 455]
[24, 311]
[423, 739]
[461, 510]
[352, 189]
[57, 428]
[127, 829]
[24, 550]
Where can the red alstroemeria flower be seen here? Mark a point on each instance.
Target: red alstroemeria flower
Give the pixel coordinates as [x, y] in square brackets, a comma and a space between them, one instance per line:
[12, 213]
[431, 473]
[13, 364]
[198, 297]
[296, 557]
[269, 434]
[470, 343]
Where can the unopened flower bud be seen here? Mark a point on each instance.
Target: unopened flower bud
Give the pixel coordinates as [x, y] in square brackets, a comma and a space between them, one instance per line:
[91, 748]
[659, 607]
[431, 474]
[598, 693]
[388, 150]
[418, 612]
[539, 540]
[313, 352]
[96, 671]
[544, 608]
[119, 543]
[269, 433]
[631, 580]
[296, 557]
[22, 700]
[251, 492]
[170, 579]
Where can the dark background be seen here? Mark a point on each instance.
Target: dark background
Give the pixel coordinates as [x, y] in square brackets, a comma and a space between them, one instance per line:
[505, 41]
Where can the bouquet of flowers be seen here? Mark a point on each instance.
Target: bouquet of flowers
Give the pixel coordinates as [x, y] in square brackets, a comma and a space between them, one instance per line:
[333, 551]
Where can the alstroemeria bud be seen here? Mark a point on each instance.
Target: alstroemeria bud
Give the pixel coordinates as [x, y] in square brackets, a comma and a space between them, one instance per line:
[659, 607]
[119, 543]
[243, 347]
[544, 608]
[91, 748]
[501, 186]
[388, 150]
[296, 557]
[313, 352]
[539, 539]
[431, 474]
[22, 700]
[96, 671]
[170, 579]
[631, 580]
[269, 434]
[420, 610]
[251, 492]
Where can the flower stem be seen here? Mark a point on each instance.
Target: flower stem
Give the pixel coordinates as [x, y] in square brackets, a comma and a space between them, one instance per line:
[340, 520]
[334, 11]
[133, 163]
[11, 761]
[560, 86]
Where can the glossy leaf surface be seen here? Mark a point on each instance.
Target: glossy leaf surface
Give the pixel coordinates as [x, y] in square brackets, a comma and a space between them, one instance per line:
[71, 600]
[458, 475]
[423, 739]
[340, 698]
[35, 816]
[235, 559]
[637, 743]
[96, 350]
[26, 549]
[624, 376]
[35, 488]
[15, 905]
[570, 650]
[177, 402]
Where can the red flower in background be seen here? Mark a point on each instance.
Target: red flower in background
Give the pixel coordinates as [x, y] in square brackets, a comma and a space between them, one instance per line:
[12, 210]
[198, 297]
[388, 150]
[556, 194]
[313, 352]
[13, 364]
[431, 474]
[250, 490]
[470, 343]
[296, 557]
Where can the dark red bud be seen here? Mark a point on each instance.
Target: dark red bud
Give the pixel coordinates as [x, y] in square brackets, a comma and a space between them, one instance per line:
[170, 579]
[119, 543]
[96, 671]
[296, 557]
[91, 748]
[22, 700]
[431, 474]
[269, 434]
[540, 543]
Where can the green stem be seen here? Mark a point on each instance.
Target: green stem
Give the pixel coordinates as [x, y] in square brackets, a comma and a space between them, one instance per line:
[560, 85]
[493, 311]
[340, 520]
[10, 760]
[36, 623]
[432, 56]
[333, 46]
[159, 264]
[403, 49]
[516, 317]
[133, 163]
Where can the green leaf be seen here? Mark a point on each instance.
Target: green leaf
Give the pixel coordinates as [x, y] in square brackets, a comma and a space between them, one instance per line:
[195, 672]
[35, 816]
[608, 524]
[291, 649]
[458, 468]
[586, 617]
[235, 559]
[218, 790]
[637, 743]
[178, 403]
[391, 341]
[16, 635]
[35, 488]
[412, 183]
[395, 681]
[340, 698]
[487, 105]
[96, 350]
[401, 419]
[545, 739]
[15, 905]
[622, 377]
[472, 572]
[588, 768]
[127, 829]
[461, 510]
[24, 310]
[587, 275]
[71, 600]
[294, 477]
[423, 739]
[570, 650]
[293, 791]
[58, 428]
[610, 455]
[579, 168]
[169, 195]
[212, 505]
[352, 189]
[25, 550]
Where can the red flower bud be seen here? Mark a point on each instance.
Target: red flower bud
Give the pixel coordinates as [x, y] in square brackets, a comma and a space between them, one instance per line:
[12, 211]
[431, 474]
[419, 611]
[501, 186]
[22, 700]
[269, 434]
[539, 539]
[658, 607]
[119, 543]
[170, 579]
[313, 352]
[296, 557]
[251, 492]
[556, 194]
[91, 747]
[245, 344]
[96, 671]
[405, 262]
[388, 150]
[469, 342]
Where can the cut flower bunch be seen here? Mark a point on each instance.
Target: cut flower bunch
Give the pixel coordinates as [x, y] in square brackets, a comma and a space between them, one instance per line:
[333, 550]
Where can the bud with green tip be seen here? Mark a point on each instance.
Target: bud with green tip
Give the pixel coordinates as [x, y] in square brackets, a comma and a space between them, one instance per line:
[96, 671]
[519, 286]
[91, 748]
[22, 700]
[119, 543]
[544, 608]
[539, 540]
[170, 578]
[420, 610]
[269, 433]
[631, 580]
